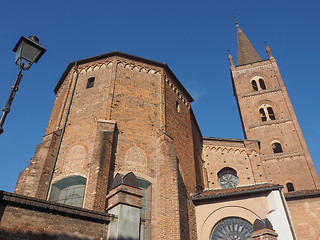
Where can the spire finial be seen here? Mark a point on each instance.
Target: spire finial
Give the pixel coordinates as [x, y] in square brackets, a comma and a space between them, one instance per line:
[268, 50]
[230, 58]
[235, 19]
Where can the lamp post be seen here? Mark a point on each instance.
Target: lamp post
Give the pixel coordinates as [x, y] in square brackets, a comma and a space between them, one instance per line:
[28, 51]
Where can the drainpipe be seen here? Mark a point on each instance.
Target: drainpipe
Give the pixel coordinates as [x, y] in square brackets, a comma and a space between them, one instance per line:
[62, 131]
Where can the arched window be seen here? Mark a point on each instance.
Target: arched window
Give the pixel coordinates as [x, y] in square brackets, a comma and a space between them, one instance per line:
[276, 147]
[270, 113]
[262, 85]
[263, 115]
[232, 228]
[290, 187]
[254, 85]
[145, 211]
[228, 177]
[69, 191]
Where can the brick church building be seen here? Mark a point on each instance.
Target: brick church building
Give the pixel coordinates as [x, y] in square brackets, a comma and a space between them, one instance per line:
[124, 158]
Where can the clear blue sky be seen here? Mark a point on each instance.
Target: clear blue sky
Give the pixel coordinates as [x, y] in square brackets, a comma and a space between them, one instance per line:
[192, 37]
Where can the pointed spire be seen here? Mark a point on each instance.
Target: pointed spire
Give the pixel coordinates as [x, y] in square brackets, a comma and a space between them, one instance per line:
[246, 53]
[268, 50]
[230, 59]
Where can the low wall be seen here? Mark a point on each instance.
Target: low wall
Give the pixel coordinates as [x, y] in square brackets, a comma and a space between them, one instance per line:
[24, 217]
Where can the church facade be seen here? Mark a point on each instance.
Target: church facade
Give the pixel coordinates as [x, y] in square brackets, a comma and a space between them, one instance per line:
[124, 158]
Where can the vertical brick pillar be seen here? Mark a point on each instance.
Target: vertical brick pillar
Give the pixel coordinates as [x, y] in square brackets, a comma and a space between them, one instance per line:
[124, 201]
[263, 230]
[167, 195]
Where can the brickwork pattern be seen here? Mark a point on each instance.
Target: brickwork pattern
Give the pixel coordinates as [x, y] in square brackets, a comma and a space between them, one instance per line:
[264, 234]
[126, 122]
[243, 156]
[305, 213]
[33, 181]
[28, 218]
[294, 164]
[125, 195]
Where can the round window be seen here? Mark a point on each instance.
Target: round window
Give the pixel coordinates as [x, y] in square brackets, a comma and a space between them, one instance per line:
[232, 228]
[228, 178]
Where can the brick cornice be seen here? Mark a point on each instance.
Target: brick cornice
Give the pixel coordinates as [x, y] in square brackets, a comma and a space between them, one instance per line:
[26, 202]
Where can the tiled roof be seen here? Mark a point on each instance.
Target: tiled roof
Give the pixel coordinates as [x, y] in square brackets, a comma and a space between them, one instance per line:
[218, 193]
[302, 194]
[245, 51]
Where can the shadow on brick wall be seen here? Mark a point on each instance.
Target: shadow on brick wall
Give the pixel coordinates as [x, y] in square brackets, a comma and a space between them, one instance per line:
[183, 207]
[29, 235]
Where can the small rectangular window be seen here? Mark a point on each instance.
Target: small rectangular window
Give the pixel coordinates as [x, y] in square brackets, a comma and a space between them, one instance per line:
[90, 82]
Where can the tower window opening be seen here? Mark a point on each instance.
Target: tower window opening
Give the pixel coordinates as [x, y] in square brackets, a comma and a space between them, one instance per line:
[262, 85]
[271, 113]
[69, 191]
[263, 115]
[90, 82]
[276, 147]
[177, 107]
[290, 187]
[254, 85]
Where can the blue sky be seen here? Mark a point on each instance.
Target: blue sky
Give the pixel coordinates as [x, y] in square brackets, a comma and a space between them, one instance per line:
[192, 37]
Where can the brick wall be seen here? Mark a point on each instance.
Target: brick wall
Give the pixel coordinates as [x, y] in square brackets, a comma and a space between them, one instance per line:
[241, 155]
[30, 218]
[305, 212]
[294, 164]
[128, 121]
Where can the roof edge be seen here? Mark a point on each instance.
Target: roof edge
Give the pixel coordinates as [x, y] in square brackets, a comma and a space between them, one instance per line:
[232, 194]
[229, 139]
[290, 197]
[124, 55]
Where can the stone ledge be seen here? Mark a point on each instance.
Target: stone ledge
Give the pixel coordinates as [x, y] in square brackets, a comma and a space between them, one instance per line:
[261, 92]
[281, 155]
[26, 202]
[270, 122]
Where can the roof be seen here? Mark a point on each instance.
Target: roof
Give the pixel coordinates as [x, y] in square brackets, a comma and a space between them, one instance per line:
[229, 139]
[302, 194]
[245, 51]
[124, 55]
[238, 191]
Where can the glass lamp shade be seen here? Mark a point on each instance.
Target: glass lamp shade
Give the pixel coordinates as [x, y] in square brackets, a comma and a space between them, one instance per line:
[28, 50]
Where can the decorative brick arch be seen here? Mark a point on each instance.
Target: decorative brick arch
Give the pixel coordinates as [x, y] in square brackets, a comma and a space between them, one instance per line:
[229, 211]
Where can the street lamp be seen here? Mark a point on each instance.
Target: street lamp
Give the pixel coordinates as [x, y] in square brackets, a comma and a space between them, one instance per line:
[28, 51]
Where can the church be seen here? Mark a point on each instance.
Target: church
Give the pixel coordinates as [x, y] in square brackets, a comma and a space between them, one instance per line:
[123, 158]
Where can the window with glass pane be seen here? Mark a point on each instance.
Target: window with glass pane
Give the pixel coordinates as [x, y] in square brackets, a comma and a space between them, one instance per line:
[69, 191]
[232, 228]
[145, 211]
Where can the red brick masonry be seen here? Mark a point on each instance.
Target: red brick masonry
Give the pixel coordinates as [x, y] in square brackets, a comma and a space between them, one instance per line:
[24, 217]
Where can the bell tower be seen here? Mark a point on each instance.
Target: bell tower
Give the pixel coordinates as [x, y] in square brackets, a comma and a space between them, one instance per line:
[267, 115]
